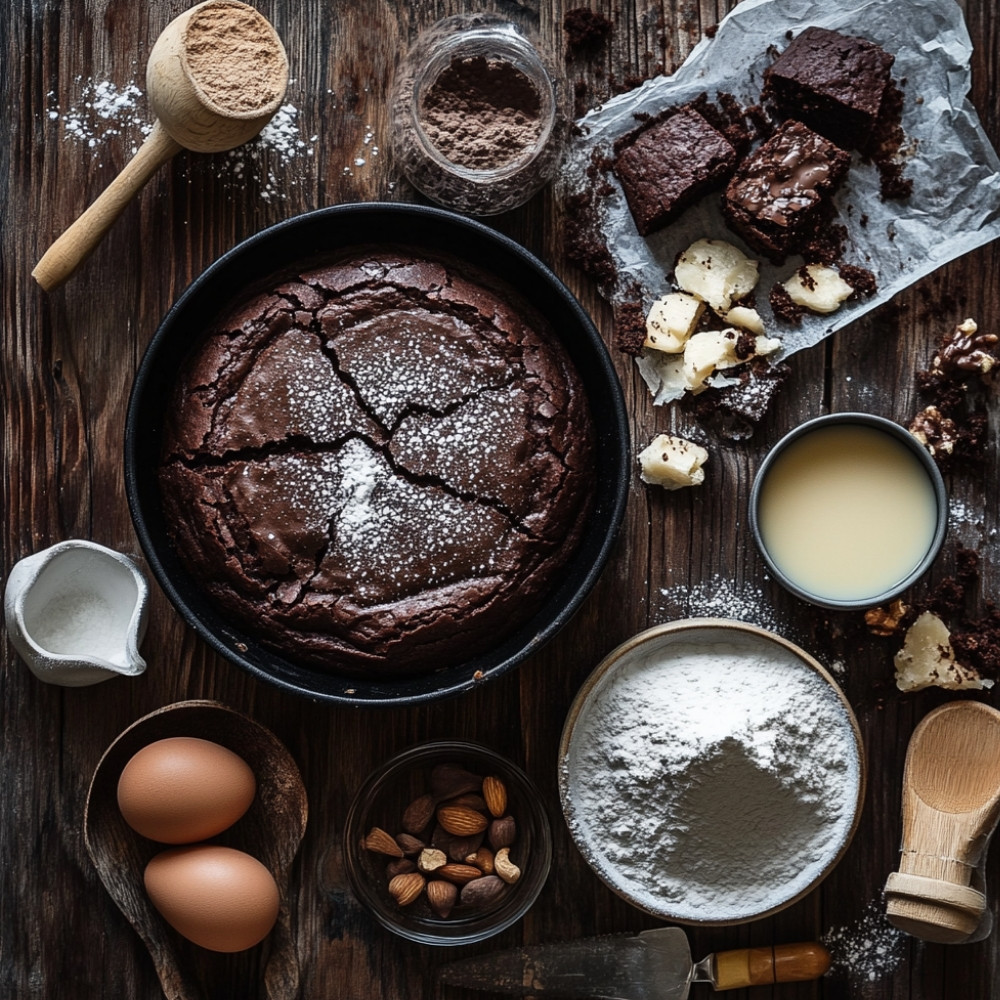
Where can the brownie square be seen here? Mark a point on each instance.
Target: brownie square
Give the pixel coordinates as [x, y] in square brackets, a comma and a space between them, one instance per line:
[669, 165]
[833, 83]
[780, 193]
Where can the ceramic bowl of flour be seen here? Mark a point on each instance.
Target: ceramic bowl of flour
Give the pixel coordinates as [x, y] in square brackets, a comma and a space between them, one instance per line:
[711, 772]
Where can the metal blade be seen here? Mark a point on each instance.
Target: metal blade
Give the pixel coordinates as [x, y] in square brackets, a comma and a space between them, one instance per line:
[656, 964]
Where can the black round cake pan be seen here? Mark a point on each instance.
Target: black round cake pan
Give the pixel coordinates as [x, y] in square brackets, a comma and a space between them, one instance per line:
[300, 242]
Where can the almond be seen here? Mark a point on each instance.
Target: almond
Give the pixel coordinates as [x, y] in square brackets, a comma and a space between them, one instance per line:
[470, 800]
[482, 892]
[482, 859]
[459, 874]
[495, 794]
[449, 781]
[407, 887]
[459, 848]
[461, 821]
[441, 896]
[418, 814]
[382, 843]
[410, 846]
[399, 866]
[502, 832]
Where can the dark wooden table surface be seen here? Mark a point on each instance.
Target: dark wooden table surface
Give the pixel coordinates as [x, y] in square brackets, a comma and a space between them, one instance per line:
[66, 366]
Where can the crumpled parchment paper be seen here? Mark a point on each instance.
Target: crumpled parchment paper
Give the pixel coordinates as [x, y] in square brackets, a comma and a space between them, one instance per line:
[955, 205]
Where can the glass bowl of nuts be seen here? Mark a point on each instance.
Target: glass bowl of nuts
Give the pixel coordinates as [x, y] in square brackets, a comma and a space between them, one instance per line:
[447, 843]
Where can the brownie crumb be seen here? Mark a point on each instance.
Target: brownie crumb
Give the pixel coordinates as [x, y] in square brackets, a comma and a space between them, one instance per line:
[711, 31]
[733, 412]
[630, 326]
[828, 241]
[860, 279]
[586, 31]
[783, 307]
[886, 146]
[585, 245]
[975, 634]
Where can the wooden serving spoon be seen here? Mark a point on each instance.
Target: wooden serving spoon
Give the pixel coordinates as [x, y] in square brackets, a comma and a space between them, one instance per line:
[271, 831]
[951, 805]
[189, 116]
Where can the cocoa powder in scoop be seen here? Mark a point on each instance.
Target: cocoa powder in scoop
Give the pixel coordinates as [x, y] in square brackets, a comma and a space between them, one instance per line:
[234, 57]
[481, 113]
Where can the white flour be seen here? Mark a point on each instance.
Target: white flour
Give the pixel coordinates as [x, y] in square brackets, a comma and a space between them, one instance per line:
[711, 781]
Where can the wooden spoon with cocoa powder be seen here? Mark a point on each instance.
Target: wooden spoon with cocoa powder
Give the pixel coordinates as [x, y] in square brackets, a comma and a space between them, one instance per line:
[215, 78]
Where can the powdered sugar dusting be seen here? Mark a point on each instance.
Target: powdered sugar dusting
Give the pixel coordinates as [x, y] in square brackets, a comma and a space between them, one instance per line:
[397, 532]
[104, 112]
[387, 536]
[106, 115]
[868, 950]
[720, 598]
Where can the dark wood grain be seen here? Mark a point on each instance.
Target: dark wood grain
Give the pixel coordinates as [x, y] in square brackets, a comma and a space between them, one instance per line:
[66, 365]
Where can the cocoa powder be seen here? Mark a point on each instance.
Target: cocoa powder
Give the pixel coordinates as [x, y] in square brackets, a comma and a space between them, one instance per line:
[234, 56]
[481, 113]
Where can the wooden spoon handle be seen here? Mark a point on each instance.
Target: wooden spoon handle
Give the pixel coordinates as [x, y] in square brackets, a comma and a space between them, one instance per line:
[78, 242]
[783, 963]
[933, 909]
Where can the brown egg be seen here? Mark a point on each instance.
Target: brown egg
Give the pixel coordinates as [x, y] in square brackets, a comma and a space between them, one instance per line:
[184, 789]
[217, 897]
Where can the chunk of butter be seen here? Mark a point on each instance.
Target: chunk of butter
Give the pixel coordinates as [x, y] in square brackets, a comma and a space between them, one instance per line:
[670, 321]
[672, 462]
[927, 658]
[716, 272]
[715, 350]
[818, 288]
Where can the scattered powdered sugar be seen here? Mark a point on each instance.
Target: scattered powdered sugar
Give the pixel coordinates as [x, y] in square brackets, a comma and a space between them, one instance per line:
[711, 780]
[105, 113]
[720, 598]
[962, 514]
[867, 950]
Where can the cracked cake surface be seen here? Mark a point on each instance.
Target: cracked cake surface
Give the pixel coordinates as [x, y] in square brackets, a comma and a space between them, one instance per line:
[380, 464]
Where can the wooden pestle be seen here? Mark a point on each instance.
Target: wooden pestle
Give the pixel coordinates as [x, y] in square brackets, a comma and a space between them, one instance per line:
[951, 805]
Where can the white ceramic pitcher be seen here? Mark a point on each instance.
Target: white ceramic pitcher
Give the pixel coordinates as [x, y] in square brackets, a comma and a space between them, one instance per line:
[76, 613]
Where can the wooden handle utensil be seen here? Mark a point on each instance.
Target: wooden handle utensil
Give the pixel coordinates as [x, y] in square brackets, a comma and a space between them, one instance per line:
[951, 805]
[187, 118]
[782, 963]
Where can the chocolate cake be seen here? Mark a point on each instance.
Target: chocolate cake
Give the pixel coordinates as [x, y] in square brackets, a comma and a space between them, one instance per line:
[669, 165]
[780, 193]
[379, 465]
[831, 82]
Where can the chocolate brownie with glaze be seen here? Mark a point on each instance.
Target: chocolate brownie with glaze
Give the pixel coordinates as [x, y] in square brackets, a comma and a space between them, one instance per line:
[379, 465]
[780, 193]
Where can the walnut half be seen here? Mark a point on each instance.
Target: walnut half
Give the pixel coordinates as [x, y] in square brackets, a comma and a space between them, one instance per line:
[936, 432]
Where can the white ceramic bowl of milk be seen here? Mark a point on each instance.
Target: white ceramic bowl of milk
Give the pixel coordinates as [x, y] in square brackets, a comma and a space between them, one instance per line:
[848, 510]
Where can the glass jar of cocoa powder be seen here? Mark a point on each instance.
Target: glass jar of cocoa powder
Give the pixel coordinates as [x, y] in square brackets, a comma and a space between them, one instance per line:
[478, 116]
